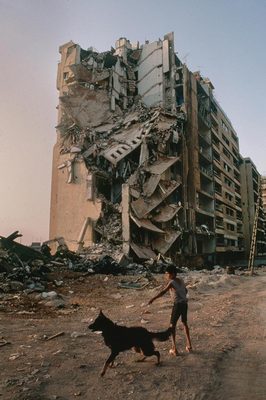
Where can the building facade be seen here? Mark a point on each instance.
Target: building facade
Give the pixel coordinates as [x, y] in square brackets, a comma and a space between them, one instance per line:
[263, 192]
[251, 193]
[145, 156]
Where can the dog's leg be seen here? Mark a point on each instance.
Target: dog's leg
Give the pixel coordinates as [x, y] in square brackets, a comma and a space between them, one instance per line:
[141, 359]
[157, 354]
[109, 361]
[139, 350]
[152, 353]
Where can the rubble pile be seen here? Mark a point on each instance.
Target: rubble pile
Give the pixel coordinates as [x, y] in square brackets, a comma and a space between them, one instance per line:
[23, 268]
[98, 250]
[109, 227]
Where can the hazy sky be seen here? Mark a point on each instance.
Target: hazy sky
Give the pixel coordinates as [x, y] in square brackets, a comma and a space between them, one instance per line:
[224, 39]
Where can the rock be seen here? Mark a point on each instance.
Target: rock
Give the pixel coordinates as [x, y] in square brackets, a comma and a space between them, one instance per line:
[58, 283]
[230, 270]
[35, 287]
[16, 286]
[75, 335]
[56, 303]
[116, 296]
[49, 295]
[144, 321]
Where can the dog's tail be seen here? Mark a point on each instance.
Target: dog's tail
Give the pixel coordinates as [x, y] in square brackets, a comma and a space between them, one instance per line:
[162, 336]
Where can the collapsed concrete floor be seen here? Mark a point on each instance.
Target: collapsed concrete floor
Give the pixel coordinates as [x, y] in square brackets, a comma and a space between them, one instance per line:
[134, 172]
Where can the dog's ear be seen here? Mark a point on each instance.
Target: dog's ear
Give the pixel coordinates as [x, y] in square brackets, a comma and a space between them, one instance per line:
[100, 313]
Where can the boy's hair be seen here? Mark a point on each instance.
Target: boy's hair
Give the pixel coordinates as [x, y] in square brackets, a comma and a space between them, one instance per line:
[171, 269]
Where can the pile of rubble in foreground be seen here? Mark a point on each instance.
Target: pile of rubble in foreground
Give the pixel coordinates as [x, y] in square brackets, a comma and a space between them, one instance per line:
[24, 268]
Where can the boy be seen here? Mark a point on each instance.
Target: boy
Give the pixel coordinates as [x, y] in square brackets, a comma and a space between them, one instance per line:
[178, 292]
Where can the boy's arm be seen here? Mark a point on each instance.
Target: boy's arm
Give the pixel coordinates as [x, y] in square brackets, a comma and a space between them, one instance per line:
[161, 293]
[185, 287]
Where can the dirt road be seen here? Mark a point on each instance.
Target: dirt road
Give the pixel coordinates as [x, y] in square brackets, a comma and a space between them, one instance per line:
[227, 318]
[242, 373]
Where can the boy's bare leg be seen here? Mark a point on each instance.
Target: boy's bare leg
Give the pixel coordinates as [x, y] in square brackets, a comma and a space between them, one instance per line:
[173, 350]
[188, 346]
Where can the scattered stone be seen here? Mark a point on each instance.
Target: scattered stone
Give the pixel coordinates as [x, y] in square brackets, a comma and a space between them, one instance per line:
[55, 336]
[230, 270]
[49, 295]
[116, 296]
[14, 356]
[16, 286]
[144, 321]
[75, 335]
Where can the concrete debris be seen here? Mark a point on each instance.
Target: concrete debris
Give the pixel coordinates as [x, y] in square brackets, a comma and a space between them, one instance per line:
[35, 274]
[133, 285]
[230, 270]
[20, 252]
[4, 342]
[55, 336]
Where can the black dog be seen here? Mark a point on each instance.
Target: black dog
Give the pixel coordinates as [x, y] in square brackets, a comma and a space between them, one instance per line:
[121, 338]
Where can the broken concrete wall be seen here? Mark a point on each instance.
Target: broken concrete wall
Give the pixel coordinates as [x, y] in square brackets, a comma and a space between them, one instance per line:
[70, 55]
[157, 72]
[72, 204]
[150, 74]
[81, 108]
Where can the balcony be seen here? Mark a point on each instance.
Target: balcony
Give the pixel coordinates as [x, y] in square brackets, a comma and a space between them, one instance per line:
[206, 138]
[219, 196]
[206, 171]
[238, 203]
[204, 114]
[216, 146]
[219, 226]
[214, 117]
[203, 209]
[208, 193]
[217, 177]
[219, 209]
[215, 131]
[205, 154]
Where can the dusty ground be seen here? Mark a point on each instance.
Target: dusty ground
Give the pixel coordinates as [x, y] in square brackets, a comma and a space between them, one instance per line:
[227, 316]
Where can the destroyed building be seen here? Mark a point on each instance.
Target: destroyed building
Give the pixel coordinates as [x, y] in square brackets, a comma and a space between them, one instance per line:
[145, 158]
